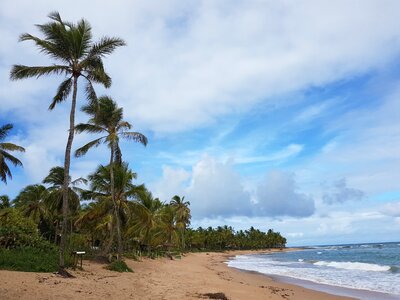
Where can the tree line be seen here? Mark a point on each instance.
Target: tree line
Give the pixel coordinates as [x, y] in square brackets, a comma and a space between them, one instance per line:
[116, 215]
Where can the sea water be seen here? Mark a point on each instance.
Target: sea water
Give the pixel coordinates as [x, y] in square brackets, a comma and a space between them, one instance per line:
[372, 267]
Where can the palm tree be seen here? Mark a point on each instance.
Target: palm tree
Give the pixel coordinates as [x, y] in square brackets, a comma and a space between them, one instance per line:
[182, 215]
[32, 202]
[72, 46]
[55, 179]
[146, 217]
[107, 119]
[5, 156]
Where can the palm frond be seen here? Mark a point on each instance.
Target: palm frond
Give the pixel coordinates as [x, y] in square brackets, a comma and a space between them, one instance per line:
[4, 170]
[91, 128]
[7, 156]
[82, 38]
[84, 149]
[11, 147]
[106, 46]
[124, 125]
[135, 136]
[21, 71]
[98, 75]
[4, 130]
[91, 94]
[79, 181]
[55, 45]
[63, 91]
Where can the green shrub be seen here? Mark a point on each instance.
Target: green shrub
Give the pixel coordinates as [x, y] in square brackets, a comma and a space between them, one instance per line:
[21, 247]
[17, 231]
[29, 259]
[119, 266]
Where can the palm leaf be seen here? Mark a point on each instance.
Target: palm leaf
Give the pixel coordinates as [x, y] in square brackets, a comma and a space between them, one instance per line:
[4, 130]
[21, 71]
[106, 46]
[62, 92]
[6, 156]
[91, 128]
[135, 136]
[11, 147]
[84, 149]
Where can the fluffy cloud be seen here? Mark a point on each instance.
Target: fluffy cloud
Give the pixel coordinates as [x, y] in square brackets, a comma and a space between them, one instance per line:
[340, 193]
[391, 209]
[172, 183]
[277, 195]
[216, 190]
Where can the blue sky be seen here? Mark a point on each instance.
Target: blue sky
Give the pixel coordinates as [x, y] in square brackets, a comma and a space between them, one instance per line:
[269, 114]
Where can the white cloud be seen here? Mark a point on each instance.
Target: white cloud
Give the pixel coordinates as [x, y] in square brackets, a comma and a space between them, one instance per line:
[288, 152]
[216, 190]
[203, 60]
[391, 209]
[340, 193]
[277, 195]
[171, 183]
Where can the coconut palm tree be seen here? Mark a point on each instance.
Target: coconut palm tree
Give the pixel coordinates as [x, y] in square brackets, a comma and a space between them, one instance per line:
[5, 156]
[32, 202]
[54, 201]
[107, 119]
[183, 216]
[71, 45]
[100, 192]
[146, 217]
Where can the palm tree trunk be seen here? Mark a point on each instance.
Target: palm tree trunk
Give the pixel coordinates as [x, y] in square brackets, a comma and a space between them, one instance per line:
[183, 238]
[67, 162]
[107, 248]
[116, 208]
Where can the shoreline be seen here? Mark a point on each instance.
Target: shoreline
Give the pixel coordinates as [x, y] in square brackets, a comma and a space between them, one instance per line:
[316, 286]
[191, 277]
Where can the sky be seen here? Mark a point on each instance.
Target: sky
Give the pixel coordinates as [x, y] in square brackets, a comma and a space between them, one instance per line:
[272, 114]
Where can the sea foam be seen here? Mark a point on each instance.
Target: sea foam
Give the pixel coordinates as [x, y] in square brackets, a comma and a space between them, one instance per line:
[353, 266]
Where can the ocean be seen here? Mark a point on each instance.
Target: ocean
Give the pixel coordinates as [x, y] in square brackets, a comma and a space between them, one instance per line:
[366, 267]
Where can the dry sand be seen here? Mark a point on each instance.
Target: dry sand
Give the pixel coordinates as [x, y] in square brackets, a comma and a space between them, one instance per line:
[191, 277]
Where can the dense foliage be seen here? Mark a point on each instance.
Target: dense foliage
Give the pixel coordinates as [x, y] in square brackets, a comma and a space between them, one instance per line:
[21, 246]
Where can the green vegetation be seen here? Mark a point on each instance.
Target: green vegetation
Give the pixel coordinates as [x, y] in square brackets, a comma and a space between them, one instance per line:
[5, 156]
[119, 266]
[76, 55]
[21, 247]
[29, 259]
[118, 216]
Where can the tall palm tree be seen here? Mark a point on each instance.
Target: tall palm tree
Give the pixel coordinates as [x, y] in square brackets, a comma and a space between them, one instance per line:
[5, 156]
[71, 45]
[183, 216]
[100, 192]
[107, 119]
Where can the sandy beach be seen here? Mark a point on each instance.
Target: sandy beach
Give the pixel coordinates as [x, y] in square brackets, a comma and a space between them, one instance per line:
[192, 277]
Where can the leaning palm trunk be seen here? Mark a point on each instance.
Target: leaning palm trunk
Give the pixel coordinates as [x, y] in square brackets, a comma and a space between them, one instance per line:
[116, 208]
[67, 161]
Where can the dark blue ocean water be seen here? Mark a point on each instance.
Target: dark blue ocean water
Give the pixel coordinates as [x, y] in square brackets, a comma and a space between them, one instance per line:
[372, 267]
